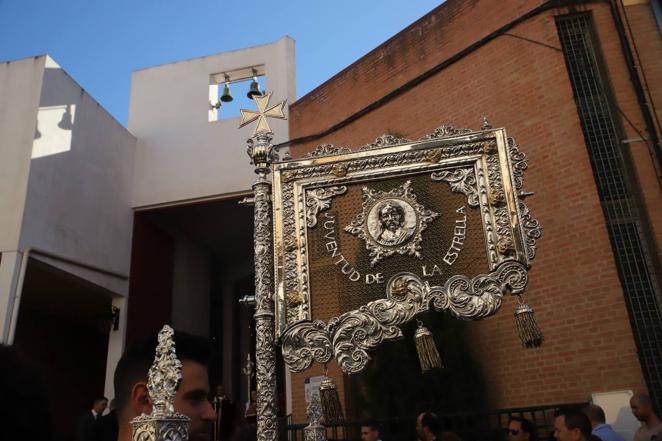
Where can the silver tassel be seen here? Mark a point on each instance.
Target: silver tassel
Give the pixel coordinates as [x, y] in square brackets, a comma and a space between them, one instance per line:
[527, 327]
[330, 401]
[428, 355]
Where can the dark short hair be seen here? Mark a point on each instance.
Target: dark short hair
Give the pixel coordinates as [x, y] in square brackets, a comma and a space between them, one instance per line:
[527, 426]
[642, 399]
[595, 413]
[139, 356]
[372, 423]
[575, 419]
[431, 421]
[99, 398]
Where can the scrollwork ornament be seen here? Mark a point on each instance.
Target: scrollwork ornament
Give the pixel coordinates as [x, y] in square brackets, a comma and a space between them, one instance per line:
[519, 163]
[352, 335]
[461, 180]
[385, 140]
[446, 131]
[318, 200]
[532, 229]
[326, 150]
[144, 432]
[308, 341]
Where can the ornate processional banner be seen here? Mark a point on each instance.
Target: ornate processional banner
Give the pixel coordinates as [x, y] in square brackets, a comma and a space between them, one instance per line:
[367, 239]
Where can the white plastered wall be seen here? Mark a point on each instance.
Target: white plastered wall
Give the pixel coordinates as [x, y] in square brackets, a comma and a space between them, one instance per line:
[181, 155]
[78, 203]
[20, 86]
[70, 167]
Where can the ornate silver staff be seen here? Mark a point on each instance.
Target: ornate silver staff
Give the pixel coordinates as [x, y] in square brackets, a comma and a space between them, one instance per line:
[248, 372]
[163, 424]
[262, 155]
[314, 431]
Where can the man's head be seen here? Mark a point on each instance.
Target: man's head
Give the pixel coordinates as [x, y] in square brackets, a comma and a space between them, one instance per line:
[595, 415]
[427, 426]
[370, 431]
[391, 216]
[521, 429]
[192, 395]
[220, 391]
[572, 426]
[99, 405]
[641, 406]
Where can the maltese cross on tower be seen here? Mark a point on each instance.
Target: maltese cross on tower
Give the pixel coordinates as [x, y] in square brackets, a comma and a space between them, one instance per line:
[264, 112]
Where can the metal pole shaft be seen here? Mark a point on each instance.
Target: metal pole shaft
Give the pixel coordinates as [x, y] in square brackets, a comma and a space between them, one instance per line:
[265, 349]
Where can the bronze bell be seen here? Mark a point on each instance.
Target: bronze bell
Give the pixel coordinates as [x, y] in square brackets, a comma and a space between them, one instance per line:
[254, 90]
[227, 96]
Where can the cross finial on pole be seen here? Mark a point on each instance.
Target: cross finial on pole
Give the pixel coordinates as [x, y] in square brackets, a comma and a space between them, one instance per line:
[264, 112]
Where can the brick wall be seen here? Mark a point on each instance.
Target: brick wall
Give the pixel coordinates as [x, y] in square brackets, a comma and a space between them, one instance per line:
[522, 85]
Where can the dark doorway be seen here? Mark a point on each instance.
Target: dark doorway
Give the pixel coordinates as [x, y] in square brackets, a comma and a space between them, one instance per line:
[63, 327]
[190, 264]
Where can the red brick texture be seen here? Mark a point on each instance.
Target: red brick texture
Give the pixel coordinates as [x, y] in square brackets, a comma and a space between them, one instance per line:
[523, 86]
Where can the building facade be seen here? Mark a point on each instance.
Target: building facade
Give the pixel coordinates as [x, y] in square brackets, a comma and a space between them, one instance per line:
[89, 202]
[579, 86]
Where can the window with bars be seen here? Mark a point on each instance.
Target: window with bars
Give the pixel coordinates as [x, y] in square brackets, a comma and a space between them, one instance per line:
[622, 215]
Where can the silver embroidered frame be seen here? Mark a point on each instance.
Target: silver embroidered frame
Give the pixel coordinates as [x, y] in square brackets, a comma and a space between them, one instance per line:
[486, 166]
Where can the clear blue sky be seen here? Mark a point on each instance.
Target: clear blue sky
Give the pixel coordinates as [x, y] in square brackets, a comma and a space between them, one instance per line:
[99, 43]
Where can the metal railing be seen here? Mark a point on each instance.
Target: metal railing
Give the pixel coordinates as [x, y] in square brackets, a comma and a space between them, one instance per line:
[470, 426]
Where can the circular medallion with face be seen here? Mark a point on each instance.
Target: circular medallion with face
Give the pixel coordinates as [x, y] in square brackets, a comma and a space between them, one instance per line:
[391, 222]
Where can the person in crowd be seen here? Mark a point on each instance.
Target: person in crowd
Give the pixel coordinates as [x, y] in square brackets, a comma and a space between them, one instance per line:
[109, 425]
[24, 404]
[227, 419]
[521, 429]
[89, 423]
[370, 431]
[428, 426]
[570, 425]
[599, 426]
[642, 409]
[191, 398]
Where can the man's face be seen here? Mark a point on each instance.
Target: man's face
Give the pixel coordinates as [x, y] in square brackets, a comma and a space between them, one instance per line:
[639, 410]
[100, 406]
[562, 433]
[515, 432]
[369, 434]
[191, 400]
[391, 218]
[419, 428]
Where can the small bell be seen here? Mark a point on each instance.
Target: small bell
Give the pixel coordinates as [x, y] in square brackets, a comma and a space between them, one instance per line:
[330, 401]
[428, 355]
[227, 96]
[254, 89]
[527, 327]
